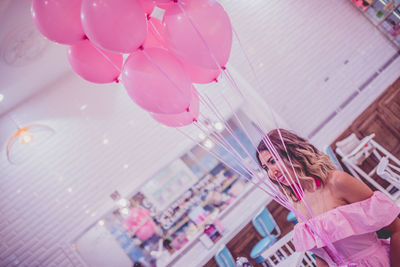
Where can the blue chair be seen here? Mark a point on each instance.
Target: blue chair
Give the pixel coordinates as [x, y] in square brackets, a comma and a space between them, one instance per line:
[224, 258]
[328, 150]
[135, 253]
[265, 225]
[291, 217]
[124, 240]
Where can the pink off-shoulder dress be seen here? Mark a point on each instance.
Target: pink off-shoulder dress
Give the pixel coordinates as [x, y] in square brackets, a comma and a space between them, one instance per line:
[351, 229]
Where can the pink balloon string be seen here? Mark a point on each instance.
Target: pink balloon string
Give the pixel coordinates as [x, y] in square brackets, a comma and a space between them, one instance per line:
[231, 150]
[233, 168]
[165, 75]
[296, 188]
[221, 68]
[275, 194]
[277, 157]
[330, 248]
[233, 82]
[158, 34]
[106, 57]
[248, 137]
[270, 110]
[332, 252]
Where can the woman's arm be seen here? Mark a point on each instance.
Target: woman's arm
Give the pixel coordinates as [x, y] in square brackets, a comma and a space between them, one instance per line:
[352, 190]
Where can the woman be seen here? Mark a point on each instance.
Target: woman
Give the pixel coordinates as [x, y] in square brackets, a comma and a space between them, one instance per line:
[345, 211]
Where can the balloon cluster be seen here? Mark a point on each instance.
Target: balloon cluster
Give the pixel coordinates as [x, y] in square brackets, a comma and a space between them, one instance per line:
[191, 44]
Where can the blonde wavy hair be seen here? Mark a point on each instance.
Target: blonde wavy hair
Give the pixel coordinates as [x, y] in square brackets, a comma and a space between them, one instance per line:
[308, 162]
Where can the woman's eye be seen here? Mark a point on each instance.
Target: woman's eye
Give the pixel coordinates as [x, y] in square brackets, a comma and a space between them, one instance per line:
[272, 161]
[265, 168]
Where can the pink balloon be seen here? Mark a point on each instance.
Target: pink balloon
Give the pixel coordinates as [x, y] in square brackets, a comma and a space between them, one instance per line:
[94, 64]
[157, 82]
[214, 25]
[182, 119]
[148, 6]
[155, 38]
[58, 20]
[155, 35]
[161, 3]
[146, 231]
[201, 75]
[140, 222]
[114, 25]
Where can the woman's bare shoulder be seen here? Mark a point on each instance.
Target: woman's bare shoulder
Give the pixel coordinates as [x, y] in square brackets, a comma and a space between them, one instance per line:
[347, 187]
[339, 179]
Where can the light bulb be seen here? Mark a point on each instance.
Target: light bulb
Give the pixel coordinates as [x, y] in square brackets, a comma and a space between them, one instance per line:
[123, 202]
[125, 211]
[202, 136]
[26, 142]
[25, 138]
[219, 126]
[208, 144]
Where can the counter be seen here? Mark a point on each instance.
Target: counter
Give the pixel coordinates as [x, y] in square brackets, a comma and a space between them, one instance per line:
[233, 219]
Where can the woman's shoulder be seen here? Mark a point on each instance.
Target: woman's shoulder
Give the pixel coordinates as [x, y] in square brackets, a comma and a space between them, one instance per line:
[346, 187]
[338, 179]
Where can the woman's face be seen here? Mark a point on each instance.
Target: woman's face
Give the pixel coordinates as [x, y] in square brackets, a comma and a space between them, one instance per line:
[275, 168]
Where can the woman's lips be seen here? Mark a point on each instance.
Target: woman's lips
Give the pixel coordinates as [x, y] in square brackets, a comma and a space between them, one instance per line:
[281, 178]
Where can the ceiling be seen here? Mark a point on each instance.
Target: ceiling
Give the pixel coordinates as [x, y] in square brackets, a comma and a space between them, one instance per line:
[28, 61]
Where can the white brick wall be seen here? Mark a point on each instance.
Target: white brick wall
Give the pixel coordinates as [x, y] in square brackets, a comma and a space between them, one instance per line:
[294, 48]
[299, 50]
[39, 211]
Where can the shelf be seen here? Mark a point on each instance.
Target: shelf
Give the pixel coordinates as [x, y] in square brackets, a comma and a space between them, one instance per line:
[379, 10]
[183, 221]
[225, 235]
[384, 15]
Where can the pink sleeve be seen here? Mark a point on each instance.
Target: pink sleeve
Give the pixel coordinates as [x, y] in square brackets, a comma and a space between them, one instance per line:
[356, 218]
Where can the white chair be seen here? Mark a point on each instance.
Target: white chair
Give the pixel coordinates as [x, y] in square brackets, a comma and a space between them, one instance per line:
[388, 171]
[282, 254]
[354, 151]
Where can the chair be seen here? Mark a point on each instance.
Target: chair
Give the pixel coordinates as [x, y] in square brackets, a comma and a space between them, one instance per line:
[291, 217]
[224, 258]
[328, 150]
[355, 151]
[135, 254]
[264, 223]
[388, 171]
[282, 254]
